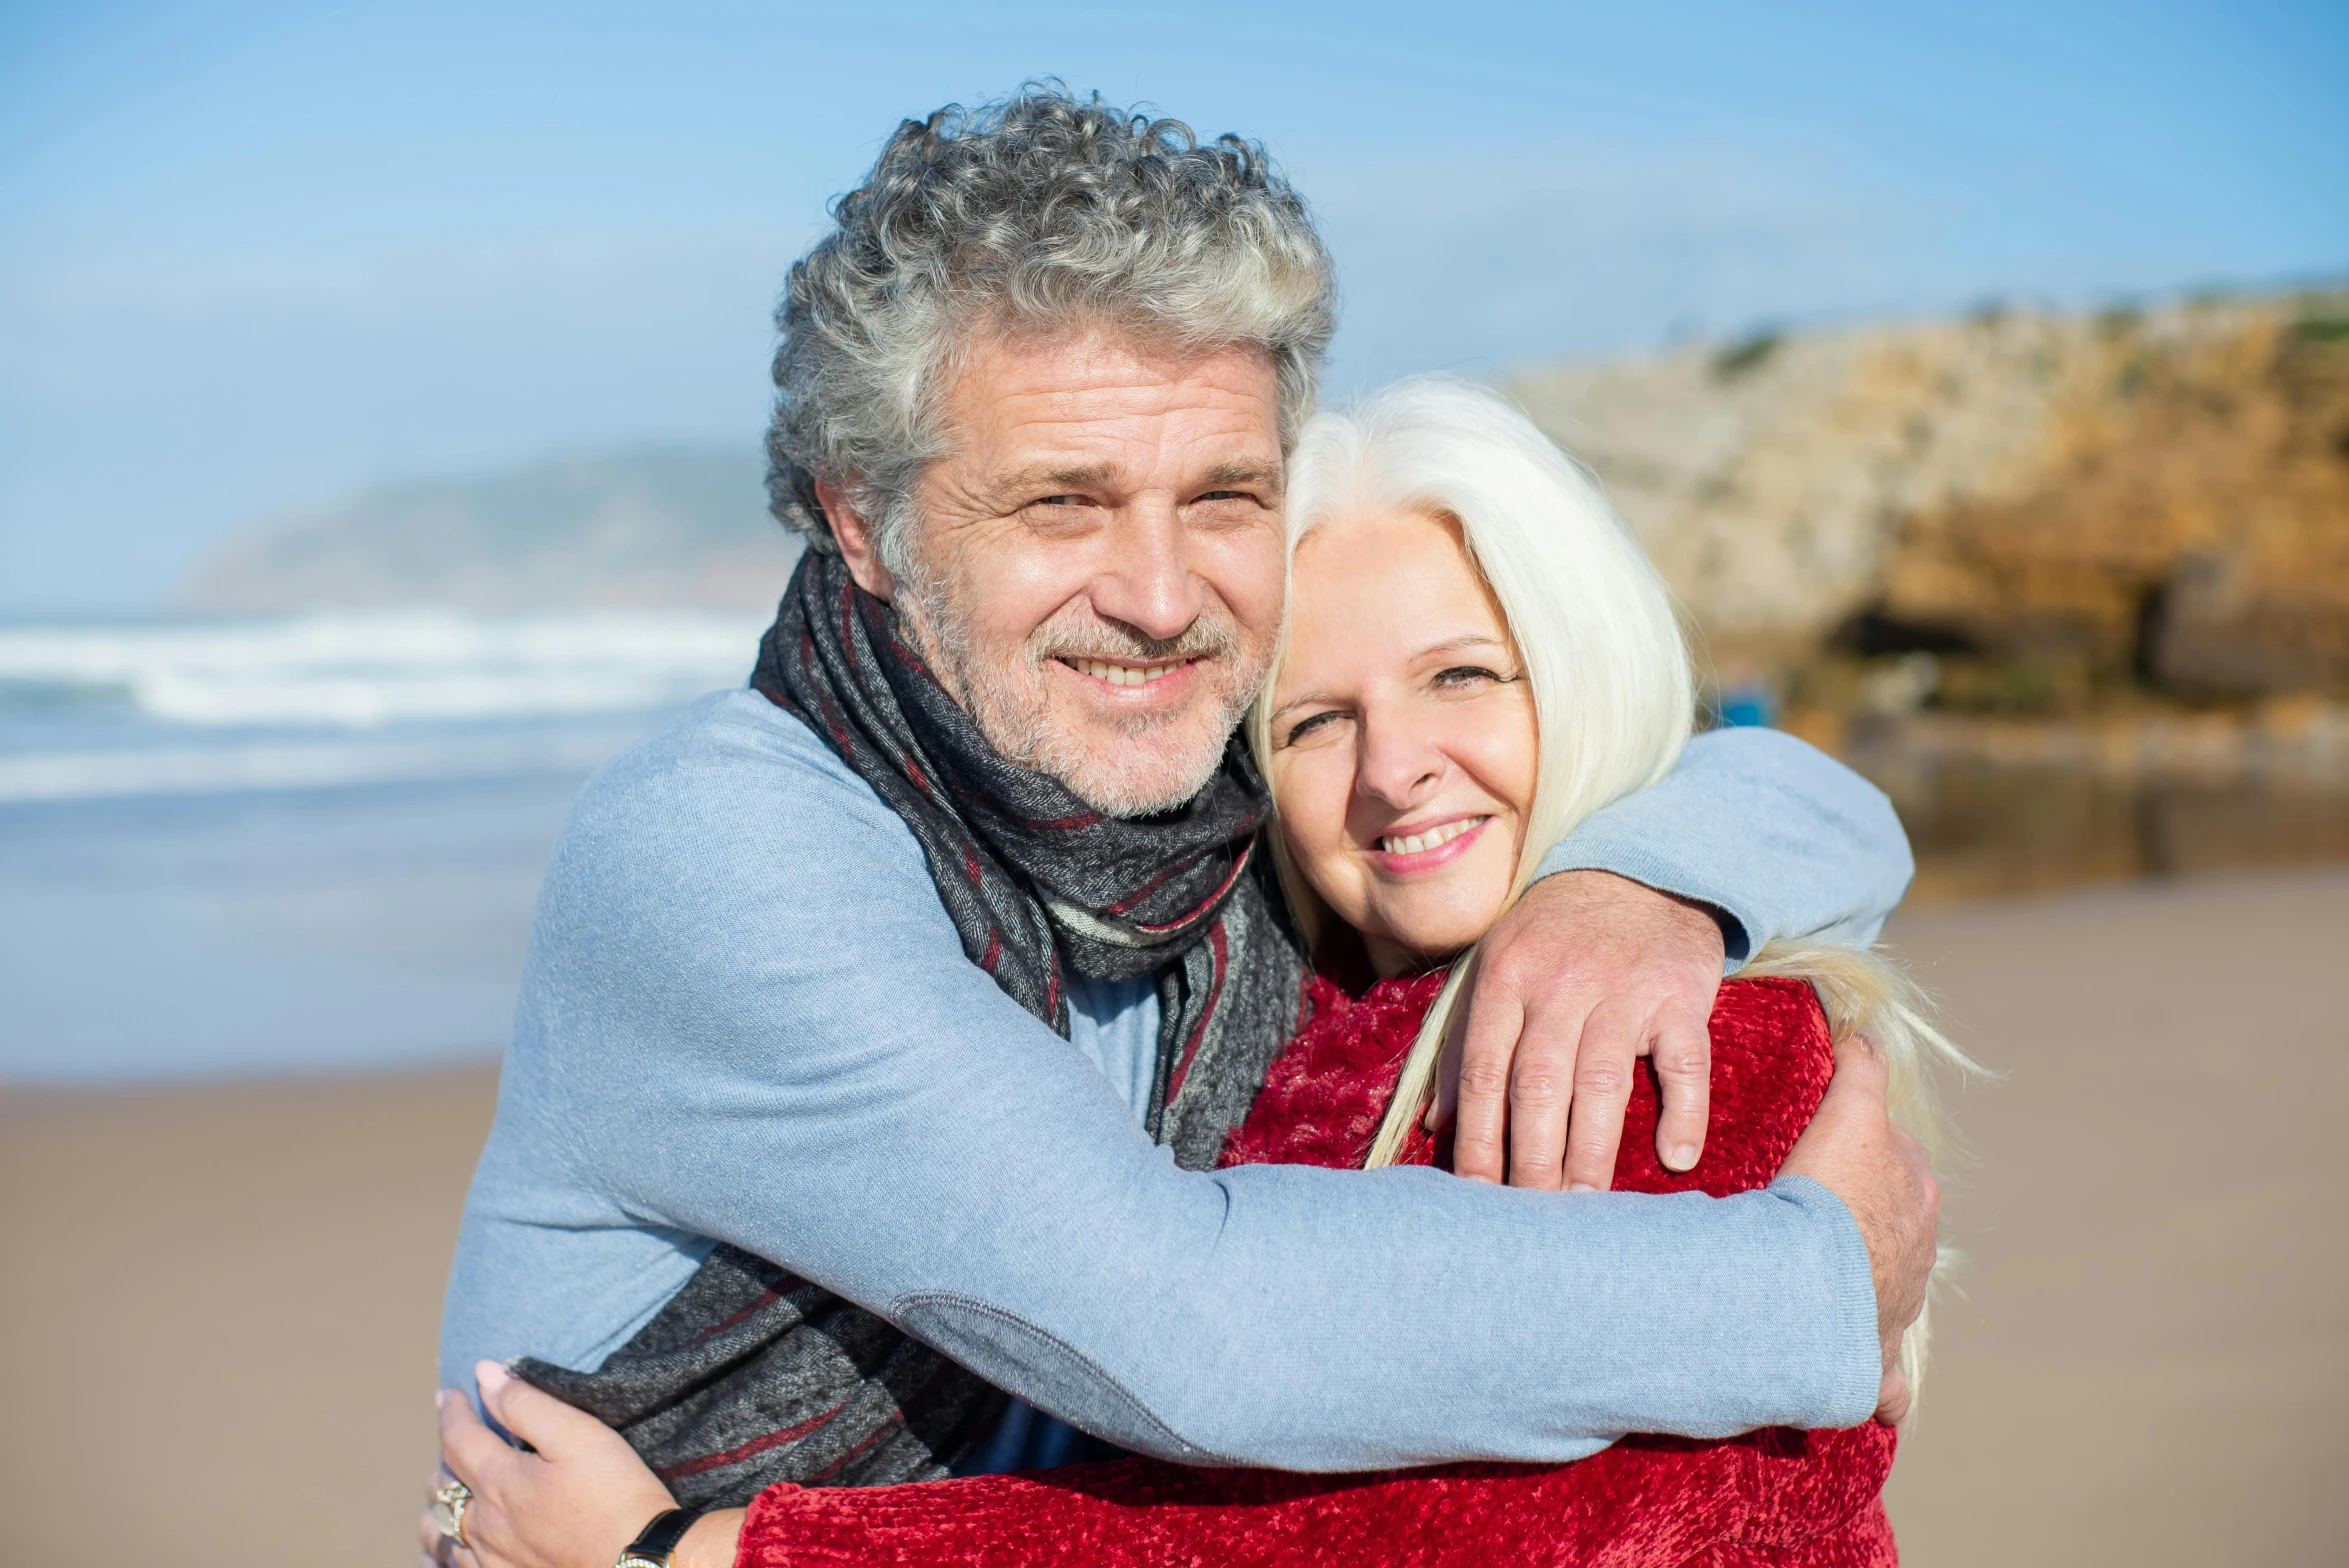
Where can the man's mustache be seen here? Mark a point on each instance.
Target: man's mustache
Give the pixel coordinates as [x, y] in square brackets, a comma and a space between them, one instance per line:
[1110, 642]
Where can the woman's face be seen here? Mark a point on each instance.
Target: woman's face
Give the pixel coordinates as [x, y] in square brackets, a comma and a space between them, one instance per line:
[1403, 739]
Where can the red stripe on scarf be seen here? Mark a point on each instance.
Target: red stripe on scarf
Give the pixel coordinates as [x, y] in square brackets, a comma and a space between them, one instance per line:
[749, 1450]
[913, 771]
[993, 807]
[856, 1453]
[766, 1299]
[848, 622]
[913, 660]
[1061, 824]
[1213, 899]
[1218, 948]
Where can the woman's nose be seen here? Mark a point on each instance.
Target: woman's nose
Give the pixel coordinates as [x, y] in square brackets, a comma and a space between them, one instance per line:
[1397, 762]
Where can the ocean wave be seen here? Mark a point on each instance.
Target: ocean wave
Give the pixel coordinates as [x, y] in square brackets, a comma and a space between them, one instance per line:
[356, 671]
[193, 770]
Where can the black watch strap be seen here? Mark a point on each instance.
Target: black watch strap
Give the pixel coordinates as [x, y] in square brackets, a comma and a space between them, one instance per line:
[657, 1541]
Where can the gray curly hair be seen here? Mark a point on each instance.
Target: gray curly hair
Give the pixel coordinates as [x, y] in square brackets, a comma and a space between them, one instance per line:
[1041, 210]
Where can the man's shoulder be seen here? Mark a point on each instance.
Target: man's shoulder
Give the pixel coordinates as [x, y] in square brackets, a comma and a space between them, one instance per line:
[734, 786]
[1773, 757]
[731, 754]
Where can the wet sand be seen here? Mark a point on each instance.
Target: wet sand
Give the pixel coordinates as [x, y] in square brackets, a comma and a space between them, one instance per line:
[2150, 1360]
[218, 1304]
[218, 1310]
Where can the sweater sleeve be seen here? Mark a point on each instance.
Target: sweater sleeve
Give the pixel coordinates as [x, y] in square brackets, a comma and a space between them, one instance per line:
[1779, 837]
[746, 1017]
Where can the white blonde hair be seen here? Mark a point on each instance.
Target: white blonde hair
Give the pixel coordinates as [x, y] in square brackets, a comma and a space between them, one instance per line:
[1601, 650]
[1597, 640]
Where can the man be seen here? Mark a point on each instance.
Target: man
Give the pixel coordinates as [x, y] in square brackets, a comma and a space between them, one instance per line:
[882, 1022]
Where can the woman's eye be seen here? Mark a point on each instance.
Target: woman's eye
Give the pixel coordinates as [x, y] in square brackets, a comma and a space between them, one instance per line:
[1463, 677]
[1306, 727]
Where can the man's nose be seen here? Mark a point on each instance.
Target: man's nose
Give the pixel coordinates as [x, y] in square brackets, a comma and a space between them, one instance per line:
[1147, 582]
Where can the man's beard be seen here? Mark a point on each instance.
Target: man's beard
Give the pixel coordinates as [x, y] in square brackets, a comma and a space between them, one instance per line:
[1009, 699]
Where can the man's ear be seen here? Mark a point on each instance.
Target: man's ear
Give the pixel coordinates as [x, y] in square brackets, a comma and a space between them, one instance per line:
[854, 534]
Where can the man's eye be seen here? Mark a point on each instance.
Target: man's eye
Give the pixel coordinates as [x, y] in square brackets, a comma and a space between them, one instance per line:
[1308, 726]
[1226, 495]
[1059, 500]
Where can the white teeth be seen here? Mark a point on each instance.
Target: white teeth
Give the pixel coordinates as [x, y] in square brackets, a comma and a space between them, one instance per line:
[1124, 674]
[1412, 844]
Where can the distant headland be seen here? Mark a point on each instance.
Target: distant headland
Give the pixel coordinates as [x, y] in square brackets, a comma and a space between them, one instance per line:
[668, 527]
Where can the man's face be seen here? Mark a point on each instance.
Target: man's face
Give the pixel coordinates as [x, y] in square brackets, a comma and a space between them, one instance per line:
[1101, 557]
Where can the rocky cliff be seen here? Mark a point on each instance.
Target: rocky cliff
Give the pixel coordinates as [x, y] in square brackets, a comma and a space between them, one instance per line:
[2057, 506]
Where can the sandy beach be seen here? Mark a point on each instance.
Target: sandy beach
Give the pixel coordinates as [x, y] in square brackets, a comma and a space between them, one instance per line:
[219, 1303]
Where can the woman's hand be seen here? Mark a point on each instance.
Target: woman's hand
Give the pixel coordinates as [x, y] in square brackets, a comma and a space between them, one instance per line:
[575, 1503]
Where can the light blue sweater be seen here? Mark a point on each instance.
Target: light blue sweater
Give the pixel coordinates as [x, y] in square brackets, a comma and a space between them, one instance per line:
[745, 1016]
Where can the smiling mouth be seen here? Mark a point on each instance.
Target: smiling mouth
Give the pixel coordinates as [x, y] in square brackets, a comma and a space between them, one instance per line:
[1419, 843]
[1124, 674]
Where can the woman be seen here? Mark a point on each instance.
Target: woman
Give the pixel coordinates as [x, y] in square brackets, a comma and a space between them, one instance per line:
[1478, 657]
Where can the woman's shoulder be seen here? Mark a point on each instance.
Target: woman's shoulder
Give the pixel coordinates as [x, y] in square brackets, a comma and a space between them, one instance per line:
[1773, 1006]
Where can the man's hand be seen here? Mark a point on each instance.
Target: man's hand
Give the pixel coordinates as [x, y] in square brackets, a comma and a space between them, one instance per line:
[1853, 1150]
[1588, 973]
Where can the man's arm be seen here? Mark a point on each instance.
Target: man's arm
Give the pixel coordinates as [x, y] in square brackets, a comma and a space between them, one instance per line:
[1616, 953]
[748, 1017]
[1777, 837]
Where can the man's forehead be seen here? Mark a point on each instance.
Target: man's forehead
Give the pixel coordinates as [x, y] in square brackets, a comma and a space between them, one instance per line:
[1201, 465]
[1080, 408]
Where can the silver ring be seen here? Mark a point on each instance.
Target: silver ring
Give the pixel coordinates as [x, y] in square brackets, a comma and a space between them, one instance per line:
[448, 1511]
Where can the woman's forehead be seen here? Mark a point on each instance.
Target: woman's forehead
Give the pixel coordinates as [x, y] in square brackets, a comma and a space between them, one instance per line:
[1376, 587]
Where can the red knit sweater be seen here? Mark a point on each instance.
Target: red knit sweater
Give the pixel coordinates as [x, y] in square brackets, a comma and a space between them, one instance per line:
[1777, 1498]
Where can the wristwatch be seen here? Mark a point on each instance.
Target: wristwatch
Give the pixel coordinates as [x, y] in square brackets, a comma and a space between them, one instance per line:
[655, 1545]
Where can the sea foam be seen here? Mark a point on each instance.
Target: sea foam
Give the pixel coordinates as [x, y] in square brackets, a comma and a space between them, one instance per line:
[357, 671]
[326, 700]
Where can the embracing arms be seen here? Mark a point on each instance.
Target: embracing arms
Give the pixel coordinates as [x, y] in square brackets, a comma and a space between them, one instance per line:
[747, 1018]
[583, 1490]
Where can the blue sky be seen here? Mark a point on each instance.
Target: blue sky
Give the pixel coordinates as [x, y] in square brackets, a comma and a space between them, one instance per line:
[252, 255]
